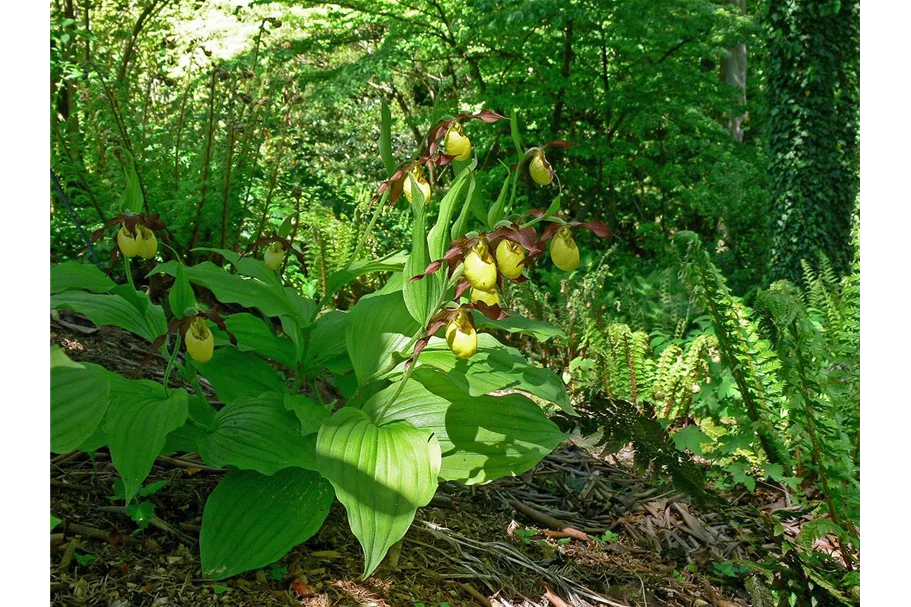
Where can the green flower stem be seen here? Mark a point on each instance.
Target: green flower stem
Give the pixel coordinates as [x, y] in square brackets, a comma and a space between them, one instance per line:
[363, 239]
[436, 308]
[171, 359]
[298, 380]
[129, 271]
[193, 422]
[194, 380]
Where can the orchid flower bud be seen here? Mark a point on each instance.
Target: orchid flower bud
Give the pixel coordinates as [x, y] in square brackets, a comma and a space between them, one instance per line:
[274, 256]
[200, 341]
[509, 258]
[540, 169]
[461, 335]
[489, 297]
[563, 250]
[418, 175]
[146, 243]
[480, 268]
[127, 243]
[456, 143]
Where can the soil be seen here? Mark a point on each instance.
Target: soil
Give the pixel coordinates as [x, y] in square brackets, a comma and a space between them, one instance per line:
[627, 536]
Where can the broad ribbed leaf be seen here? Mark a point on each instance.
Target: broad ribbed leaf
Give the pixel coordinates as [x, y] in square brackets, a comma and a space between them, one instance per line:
[538, 329]
[60, 359]
[494, 367]
[202, 411]
[247, 265]
[438, 238]
[96, 441]
[253, 334]
[74, 275]
[460, 226]
[391, 263]
[270, 299]
[514, 131]
[114, 310]
[79, 399]
[377, 327]
[309, 412]
[483, 437]
[132, 198]
[394, 284]
[235, 374]
[185, 438]
[258, 434]
[304, 307]
[495, 213]
[327, 343]
[181, 296]
[284, 230]
[252, 520]
[137, 423]
[381, 474]
[421, 295]
[385, 142]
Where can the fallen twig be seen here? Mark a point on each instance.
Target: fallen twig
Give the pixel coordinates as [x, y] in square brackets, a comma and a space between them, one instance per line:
[549, 521]
[71, 486]
[475, 594]
[179, 463]
[86, 531]
[64, 457]
[156, 522]
[555, 600]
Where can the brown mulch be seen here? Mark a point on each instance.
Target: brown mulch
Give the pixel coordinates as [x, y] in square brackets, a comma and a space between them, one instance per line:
[536, 539]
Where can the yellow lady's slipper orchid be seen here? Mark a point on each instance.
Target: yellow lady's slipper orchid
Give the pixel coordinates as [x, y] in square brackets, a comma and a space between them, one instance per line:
[274, 255]
[200, 341]
[489, 297]
[563, 250]
[539, 169]
[457, 144]
[509, 258]
[146, 243]
[480, 268]
[127, 243]
[418, 175]
[461, 335]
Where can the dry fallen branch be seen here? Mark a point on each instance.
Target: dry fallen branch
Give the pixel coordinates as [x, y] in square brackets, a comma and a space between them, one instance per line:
[549, 521]
[156, 522]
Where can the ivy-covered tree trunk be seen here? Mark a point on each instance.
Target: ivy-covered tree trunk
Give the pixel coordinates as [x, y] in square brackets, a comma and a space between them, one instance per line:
[813, 96]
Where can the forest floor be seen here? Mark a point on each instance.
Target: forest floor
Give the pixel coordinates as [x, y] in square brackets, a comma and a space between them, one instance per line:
[582, 528]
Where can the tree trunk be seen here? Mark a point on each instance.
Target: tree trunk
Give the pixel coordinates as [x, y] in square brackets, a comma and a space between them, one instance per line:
[813, 131]
[734, 72]
[564, 74]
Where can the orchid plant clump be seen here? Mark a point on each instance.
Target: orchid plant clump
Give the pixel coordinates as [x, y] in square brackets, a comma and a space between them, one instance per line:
[371, 406]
